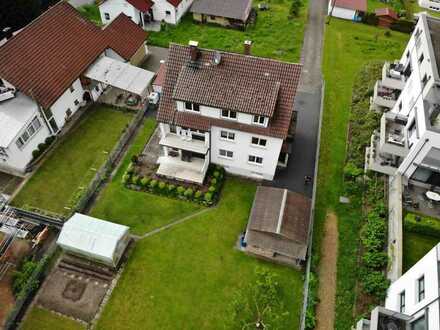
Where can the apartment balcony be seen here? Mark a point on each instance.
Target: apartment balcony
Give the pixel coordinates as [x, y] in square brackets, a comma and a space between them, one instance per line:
[392, 76]
[377, 161]
[392, 135]
[385, 97]
[183, 143]
[192, 169]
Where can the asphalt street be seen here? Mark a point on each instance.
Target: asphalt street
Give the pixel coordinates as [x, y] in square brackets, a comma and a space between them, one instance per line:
[308, 104]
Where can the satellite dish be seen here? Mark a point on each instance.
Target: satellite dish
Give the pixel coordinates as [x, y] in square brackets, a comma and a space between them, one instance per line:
[217, 58]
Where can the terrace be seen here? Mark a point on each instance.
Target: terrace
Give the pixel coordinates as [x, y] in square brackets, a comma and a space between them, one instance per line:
[392, 76]
[383, 96]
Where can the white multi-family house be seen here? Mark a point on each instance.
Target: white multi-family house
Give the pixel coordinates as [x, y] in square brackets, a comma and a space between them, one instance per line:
[144, 12]
[413, 300]
[408, 140]
[42, 76]
[430, 4]
[234, 110]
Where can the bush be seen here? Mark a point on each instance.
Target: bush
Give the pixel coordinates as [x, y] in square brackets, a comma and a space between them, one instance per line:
[376, 284]
[214, 181]
[370, 19]
[387, 34]
[375, 260]
[212, 189]
[403, 26]
[171, 189]
[208, 197]
[153, 184]
[135, 179]
[35, 154]
[422, 225]
[198, 195]
[295, 8]
[145, 182]
[162, 185]
[216, 174]
[189, 193]
[180, 190]
[49, 140]
[21, 277]
[126, 179]
[351, 171]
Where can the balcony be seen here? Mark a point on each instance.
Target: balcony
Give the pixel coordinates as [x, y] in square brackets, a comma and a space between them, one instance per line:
[184, 143]
[392, 76]
[378, 161]
[193, 170]
[392, 135]
[385, 97]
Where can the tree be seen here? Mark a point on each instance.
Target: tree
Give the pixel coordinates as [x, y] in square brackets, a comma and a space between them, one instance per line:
[295, 8]
[258, 305]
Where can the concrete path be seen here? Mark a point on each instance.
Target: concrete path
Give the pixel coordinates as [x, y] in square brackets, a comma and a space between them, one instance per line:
[325, 311]
[395, 228]
[307, 103]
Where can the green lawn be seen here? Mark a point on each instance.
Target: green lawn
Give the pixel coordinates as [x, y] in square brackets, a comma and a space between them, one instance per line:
[415, 246]
[91, 12]
[274, 35]
[71, 164]
[185, 277]
[348, 46]
[140, 211]
[42, 319]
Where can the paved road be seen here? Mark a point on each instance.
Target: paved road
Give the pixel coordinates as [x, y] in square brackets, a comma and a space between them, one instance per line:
[307, 103]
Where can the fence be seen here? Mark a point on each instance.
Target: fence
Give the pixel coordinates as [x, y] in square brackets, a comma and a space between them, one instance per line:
[82, 198]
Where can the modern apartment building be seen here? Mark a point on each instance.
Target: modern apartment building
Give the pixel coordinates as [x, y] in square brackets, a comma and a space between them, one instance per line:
[430, 4]
[408, 139]
[413, 301]
[234, 110]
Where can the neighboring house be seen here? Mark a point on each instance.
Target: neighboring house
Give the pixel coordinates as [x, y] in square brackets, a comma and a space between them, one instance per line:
[41, 76]
[230, 13]
[430, 4]
[386, 17]
[278, 227]
[413, 300]
[347, 9]
[228, 109]
[94, 239]
[144, 12]
[408, 139]
[160, 78]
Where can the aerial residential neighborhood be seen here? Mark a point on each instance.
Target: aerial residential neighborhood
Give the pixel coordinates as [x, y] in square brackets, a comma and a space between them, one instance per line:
[237, 164]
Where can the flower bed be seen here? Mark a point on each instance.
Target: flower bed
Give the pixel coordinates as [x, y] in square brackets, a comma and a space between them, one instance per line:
[207, 194]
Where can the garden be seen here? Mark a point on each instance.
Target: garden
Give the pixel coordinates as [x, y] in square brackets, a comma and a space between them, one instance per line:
[278, 32]
[74, 161]
[348, 48]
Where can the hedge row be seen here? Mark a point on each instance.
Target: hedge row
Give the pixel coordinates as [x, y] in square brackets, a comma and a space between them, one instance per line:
[215, 178]
[402, 25]
[422, 225]
[42, 147]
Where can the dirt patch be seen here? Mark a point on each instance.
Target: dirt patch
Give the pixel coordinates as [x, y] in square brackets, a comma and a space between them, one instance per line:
[325, 311]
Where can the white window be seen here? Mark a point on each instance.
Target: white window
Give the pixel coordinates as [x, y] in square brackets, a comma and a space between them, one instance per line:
[192, 106]
[107, 16]
[76, 102]
[229, 114]
[255, 160]
[259, 141]
[30, 131]
[168, 13]
[226, 153]
[225, 135]
[259, 120]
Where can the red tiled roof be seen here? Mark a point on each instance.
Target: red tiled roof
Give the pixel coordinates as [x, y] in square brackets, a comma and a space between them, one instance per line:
[247, 68]
[51, 52]
[142, 5]
[386, 12]
[124, 36]
[360, 5]
[175, 3]
[160, 77]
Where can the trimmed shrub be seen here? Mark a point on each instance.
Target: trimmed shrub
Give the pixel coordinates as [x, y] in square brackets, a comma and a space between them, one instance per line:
[171, 189]
[126, 178]
[208, 197]
[422, 225]
[212, 189]
[49, 140]
[145, 182]
[375, 260]
[135, 179]
[216, 174]
[376, 284]
[162, 187]
[189, 193]
[153, 184]
[214, 181]
[198, 195]
[180, 190]
[36, 153]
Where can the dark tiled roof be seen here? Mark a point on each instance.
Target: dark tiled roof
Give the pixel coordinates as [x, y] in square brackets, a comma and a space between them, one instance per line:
[160, 77]
[124, 36]
[141, 5]
[360, 5]
[274, 228]
[434, 29]
[236, 9]
[246, 68]
[223, 87]
[175, 3]
[46, 57]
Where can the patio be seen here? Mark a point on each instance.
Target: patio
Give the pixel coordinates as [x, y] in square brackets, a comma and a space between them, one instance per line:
[415, 200]
[119, 98]
[174, 167]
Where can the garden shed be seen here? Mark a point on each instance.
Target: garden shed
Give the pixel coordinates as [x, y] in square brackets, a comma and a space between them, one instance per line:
[94, 239]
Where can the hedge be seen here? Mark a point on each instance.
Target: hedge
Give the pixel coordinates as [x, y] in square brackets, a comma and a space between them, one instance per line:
[403, 26]
[422, 225]
[42, 147]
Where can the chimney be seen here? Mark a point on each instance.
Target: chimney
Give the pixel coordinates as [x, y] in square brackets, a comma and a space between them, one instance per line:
[194, 50]
[247, 47]
[7, 33]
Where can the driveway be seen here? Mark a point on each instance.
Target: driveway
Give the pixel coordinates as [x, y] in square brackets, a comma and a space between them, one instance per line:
[308, 104]
[156, 54]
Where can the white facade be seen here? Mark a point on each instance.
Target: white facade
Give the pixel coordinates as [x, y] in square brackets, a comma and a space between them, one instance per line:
[408, 141]
[161, 10]
[430, 4]
[343, 13]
